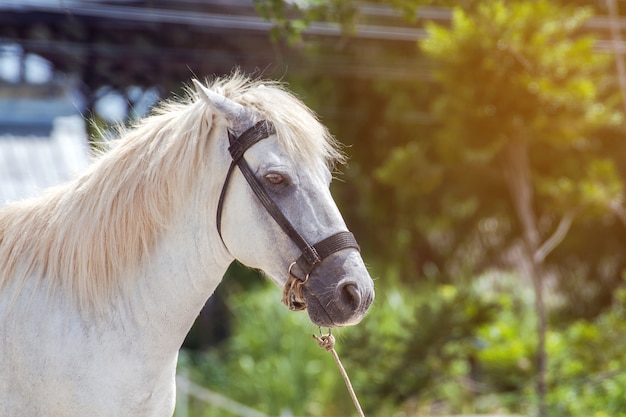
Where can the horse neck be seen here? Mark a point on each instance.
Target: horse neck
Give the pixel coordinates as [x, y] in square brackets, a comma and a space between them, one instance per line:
[186, 265]
[176, 282]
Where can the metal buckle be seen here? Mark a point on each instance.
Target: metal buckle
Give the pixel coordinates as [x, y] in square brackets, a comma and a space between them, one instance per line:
[295, 276]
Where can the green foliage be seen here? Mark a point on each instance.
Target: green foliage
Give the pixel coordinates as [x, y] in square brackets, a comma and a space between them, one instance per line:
[507, 344]
[464, 349]
[472, 350]
[411, 163]
[599, 187]
[588, 372]
[271, 363]
[290, 19]
[517, 68]
[416, 343]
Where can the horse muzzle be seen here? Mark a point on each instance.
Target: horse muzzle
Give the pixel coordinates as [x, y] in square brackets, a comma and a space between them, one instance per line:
[339, 291]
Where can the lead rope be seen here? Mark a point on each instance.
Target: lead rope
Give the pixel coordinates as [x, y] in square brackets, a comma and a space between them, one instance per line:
[293, 298]
[327, 342]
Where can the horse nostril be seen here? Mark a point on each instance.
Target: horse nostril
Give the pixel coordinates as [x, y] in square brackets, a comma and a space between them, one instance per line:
[350, 295]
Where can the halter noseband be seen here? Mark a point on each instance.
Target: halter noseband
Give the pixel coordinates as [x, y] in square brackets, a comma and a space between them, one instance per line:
[312, 255]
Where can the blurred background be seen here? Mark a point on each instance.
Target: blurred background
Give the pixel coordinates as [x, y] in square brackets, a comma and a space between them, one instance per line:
[485, 186]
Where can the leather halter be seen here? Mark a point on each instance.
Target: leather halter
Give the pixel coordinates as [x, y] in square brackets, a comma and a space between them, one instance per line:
[312, 255]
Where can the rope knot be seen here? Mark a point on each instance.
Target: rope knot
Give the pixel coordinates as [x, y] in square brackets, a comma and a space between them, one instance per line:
[326, 341]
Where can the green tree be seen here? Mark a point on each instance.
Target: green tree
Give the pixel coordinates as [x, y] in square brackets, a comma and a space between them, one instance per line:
[523, 94]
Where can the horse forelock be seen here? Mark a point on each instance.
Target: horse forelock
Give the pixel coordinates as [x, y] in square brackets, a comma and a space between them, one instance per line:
[81, 237]
[298, 128]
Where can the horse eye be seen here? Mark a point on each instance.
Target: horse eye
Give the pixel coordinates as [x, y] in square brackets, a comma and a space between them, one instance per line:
[274, 178]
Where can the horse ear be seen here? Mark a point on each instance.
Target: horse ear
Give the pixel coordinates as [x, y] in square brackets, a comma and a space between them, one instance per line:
[219, 102]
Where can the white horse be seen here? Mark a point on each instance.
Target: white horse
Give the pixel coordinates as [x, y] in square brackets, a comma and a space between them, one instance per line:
[102, 277]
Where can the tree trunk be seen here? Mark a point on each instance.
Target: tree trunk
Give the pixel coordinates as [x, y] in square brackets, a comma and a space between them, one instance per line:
[516, 169]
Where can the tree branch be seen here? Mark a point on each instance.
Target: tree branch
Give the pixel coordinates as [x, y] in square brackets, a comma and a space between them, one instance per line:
[556, 238]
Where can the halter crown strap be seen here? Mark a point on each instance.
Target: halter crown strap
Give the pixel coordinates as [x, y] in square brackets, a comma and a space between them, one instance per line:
[312, 255]
[238, 146]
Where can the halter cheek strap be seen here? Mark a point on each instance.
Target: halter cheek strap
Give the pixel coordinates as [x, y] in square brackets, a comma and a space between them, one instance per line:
[238, 146]
[312, 255]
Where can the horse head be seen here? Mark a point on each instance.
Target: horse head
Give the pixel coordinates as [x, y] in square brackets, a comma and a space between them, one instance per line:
[276, 212]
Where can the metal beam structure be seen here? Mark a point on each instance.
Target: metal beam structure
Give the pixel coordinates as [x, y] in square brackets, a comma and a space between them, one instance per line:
[150, 41]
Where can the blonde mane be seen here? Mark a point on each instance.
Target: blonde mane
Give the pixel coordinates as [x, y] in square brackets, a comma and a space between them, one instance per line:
[80, 237]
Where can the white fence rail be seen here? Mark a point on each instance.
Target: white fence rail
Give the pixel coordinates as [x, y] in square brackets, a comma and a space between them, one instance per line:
[187, 389]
